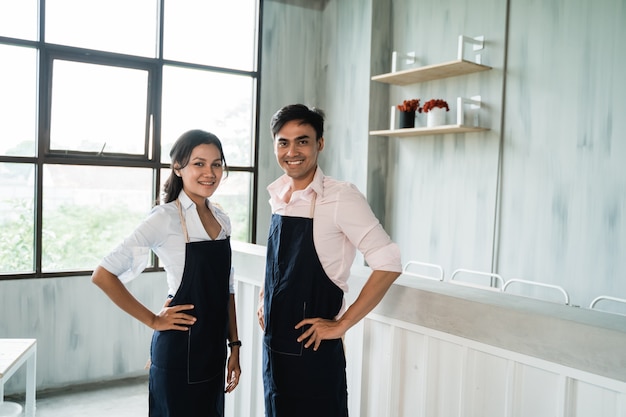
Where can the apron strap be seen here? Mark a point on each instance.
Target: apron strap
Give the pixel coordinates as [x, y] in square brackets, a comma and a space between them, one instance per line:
[312, 211]
[182, 220]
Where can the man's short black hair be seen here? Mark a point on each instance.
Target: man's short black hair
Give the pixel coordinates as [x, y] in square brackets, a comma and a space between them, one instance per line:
[311, 116]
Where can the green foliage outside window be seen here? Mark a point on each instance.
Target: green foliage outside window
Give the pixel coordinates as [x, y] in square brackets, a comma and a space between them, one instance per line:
[16, 238]
[77, 237]
[74, 237]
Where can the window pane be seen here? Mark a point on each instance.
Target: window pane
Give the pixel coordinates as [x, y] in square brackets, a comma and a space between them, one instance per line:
[18, 19]
[165, 174]
[219, 103]
[17, 218]
[18, 100]
[218, 33]
[88, 211]
[234, 196]
[98, 108]
[128, 27]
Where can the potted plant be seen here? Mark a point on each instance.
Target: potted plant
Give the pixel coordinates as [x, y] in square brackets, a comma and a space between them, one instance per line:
[436, 109]
[407, 112]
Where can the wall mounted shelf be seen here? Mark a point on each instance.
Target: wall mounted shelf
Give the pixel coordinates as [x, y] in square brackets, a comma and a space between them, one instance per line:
[423, 131]
[455, 68]
[431, 72]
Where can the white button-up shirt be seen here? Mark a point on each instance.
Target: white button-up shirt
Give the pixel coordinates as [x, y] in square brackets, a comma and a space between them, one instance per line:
[342, 223]
[162, 232]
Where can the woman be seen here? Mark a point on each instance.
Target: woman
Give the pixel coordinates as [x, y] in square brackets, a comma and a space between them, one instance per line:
[190, 236]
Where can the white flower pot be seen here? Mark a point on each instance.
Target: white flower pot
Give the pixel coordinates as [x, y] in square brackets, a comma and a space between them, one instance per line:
[436, 117]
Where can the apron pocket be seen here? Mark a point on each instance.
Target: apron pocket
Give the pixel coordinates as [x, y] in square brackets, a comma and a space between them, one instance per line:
[281, 335]
[207, 357]
[169, 349]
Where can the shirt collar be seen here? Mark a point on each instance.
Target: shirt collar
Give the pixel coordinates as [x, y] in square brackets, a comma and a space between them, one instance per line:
[187, 202]
[280, 187]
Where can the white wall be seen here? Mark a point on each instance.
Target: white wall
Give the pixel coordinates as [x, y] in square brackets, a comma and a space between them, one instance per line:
[564, 181]
[81, 335]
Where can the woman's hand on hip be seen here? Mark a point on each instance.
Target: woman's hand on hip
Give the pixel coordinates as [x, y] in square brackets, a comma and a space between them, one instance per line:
[174, 318]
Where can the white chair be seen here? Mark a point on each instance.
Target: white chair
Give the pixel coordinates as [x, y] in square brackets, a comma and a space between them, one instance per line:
[511, 281]
[595, 301]
[434, 268]
[493, 279]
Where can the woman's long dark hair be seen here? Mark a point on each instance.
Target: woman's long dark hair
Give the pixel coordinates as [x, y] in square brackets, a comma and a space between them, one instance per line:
[180, 154]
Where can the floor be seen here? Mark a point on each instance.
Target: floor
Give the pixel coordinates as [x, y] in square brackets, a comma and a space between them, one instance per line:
[124, 398]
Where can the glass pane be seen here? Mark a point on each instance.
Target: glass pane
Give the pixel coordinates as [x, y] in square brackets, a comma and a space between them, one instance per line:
[165, 174]
[234, 196]
[18, 19]
[98, 108]
[219, 103]
[18, 100]
[88, 211]
[218, 33]
[128, 27]
[17, 217]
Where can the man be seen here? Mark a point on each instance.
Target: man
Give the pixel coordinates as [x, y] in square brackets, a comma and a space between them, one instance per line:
[317, 225]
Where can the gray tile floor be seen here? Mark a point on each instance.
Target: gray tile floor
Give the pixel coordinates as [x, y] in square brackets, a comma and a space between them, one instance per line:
[123, 398]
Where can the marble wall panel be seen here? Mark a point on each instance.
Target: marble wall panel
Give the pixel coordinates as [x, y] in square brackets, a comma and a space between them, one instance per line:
[346, 50]
[563, 218]
[291, 72]
[379, 148]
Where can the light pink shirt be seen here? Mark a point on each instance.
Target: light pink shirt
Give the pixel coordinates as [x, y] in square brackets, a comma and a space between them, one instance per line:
[342, 223]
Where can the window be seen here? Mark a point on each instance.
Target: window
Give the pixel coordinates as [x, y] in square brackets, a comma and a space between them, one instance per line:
[98, 108]
[90, 107]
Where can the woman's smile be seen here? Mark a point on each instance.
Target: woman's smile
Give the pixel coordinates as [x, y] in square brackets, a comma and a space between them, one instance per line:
[202, 175]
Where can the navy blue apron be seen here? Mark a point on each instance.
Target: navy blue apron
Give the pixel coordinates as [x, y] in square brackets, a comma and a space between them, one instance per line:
[299, 381]
[188, 367]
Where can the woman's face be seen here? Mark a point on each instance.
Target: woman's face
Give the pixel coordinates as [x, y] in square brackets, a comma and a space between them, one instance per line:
[203, 173]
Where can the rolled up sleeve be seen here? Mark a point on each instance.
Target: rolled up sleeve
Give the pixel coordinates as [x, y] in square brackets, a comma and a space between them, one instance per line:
[379, 251]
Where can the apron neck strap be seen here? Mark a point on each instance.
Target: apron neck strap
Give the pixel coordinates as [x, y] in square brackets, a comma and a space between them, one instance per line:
[182, 220]
[312, 206]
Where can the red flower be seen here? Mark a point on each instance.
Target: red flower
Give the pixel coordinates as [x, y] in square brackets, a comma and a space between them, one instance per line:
[431, 104]
[409, 105]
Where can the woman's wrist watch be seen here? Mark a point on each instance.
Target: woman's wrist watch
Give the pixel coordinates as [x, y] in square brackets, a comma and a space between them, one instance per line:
[234, 343]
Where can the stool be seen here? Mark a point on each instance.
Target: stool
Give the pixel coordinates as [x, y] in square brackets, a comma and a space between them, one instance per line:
[9, 409]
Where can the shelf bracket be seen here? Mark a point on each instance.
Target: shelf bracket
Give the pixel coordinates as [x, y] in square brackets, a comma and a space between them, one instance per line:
[474, 103]
[478, 43]
[409, 58]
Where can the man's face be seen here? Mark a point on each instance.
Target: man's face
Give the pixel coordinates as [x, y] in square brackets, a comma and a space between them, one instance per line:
[296, 151]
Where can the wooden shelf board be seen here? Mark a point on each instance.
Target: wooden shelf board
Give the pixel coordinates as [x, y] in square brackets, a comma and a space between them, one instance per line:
[431, 72]
[422, 131]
